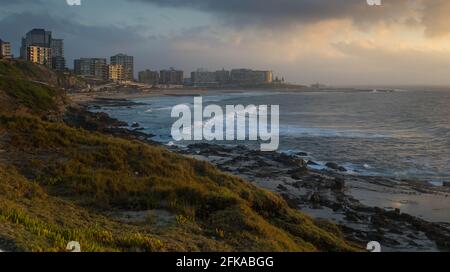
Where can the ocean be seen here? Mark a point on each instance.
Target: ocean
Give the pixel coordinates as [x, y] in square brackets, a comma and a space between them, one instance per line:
[403, 134]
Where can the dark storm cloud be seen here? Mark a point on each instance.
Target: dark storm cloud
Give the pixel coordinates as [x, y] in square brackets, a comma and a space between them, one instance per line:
[281, 12]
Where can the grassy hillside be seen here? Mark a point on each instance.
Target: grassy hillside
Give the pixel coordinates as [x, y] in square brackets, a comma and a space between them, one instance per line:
[59, 184]
[17, 69]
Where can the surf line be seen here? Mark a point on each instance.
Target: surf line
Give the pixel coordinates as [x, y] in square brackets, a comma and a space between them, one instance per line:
[213, 123]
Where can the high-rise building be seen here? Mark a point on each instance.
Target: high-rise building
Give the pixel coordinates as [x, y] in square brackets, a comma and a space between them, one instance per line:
[127, 63]
[247, 76]
[38, 46]
[58, 60]
[223, 77]
[36, 37]
[149, 77]
[82, 67]
[172, 77]
[5, 50]
[268, 76]
[91, 67]
[203, 77]
[117, 73]
[99, 68]
[39, 55]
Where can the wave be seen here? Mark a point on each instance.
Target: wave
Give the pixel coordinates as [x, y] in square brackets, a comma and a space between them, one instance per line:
[323, 132]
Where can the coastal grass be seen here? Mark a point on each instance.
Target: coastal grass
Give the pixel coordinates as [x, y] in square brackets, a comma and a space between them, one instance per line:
[32, 95]
[19, 69]
[103, 173]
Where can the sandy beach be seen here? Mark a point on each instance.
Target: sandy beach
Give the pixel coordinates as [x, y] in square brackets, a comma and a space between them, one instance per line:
[131, 93]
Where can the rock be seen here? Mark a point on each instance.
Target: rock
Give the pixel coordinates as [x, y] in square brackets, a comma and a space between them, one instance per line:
[292, 202]
[315, 197]
[298, 173]
[339, 184]
[332, 165]
[283, 188]
[135, 125]
[290, 161]
[352, 216]
[302, 154]
[312, 163]
[446, 184]
[336, 167]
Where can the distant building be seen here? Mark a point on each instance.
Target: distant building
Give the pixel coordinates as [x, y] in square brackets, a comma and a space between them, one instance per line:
[117, 72]
[99, 68]
[223, 77]
[38, 46]
[172, 77]
[318, 86]
[203, 78]
[39, 55]
[149, 77]
[36, 37]
[277, 80]
[82, 67]
[58, 60]
[5, 50]
[91, 67]
[247, 76]
[127, 63]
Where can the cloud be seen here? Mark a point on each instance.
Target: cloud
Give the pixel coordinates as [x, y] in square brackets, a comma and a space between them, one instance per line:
[270, 12]
[15, 2]
[332, 41]
[430, 15]
[435, 17]
[80, 39]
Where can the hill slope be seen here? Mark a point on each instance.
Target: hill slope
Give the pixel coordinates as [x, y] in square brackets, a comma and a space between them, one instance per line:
[61, 184]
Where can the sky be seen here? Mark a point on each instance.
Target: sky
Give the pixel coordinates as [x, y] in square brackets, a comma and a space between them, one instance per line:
[336, 42]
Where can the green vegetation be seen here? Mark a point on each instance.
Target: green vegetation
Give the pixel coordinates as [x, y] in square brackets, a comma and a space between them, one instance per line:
[20, 69]
[32, 95]
[59, 184]
[17, 70]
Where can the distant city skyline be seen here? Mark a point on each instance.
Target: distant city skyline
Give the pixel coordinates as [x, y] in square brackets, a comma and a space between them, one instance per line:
[332, 42]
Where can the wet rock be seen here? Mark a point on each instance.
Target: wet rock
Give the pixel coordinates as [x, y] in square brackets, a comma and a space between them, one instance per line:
[379, 221]
[111, 102]
[302, 154]
[210, 149]
[283, 188]
[336, 167]
[352, 216]
[298, 173]
[297, 185]
[292, 202]
[81, 118]
[339, 184]
[135, 125]
[290, 161]
[447, 184]
[312, 163]
[315, 198]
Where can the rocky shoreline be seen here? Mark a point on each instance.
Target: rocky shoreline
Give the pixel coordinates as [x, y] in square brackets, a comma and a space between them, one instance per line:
[329, 194]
